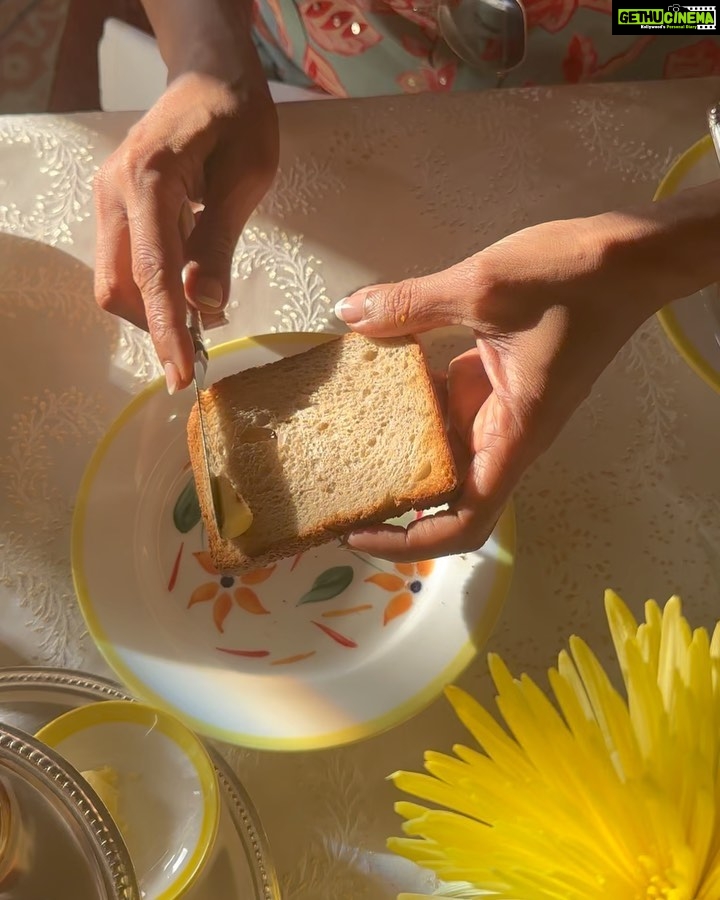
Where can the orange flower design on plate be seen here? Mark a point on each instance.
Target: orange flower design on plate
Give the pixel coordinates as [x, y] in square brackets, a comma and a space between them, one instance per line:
[228, 590]
[405, 583]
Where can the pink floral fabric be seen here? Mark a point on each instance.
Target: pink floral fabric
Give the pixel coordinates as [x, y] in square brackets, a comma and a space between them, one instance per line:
[367, 47]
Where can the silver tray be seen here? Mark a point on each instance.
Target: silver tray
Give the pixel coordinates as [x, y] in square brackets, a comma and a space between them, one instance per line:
[65, 832]
[31, 696]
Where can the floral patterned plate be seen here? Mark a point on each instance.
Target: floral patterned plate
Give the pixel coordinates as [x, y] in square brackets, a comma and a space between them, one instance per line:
[315, 651]
[693, 324]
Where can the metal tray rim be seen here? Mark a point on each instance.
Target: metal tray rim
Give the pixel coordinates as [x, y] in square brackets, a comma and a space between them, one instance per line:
[242, 809]
[65, 782]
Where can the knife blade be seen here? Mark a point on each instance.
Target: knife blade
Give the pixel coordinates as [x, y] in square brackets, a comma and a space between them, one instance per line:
[713, 303]
[195, 327]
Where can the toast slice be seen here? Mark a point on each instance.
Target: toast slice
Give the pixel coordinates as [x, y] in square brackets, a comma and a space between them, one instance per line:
[344, 435]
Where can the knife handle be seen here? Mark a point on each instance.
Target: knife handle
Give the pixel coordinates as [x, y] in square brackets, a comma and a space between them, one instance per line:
[195, 327]
[713, 118]
[193, 321]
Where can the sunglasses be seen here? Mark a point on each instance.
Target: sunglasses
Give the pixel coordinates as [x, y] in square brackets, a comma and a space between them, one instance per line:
[489, 35]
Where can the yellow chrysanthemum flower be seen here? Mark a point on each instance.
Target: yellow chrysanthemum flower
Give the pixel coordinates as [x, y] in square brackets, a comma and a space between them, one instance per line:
[608, 797]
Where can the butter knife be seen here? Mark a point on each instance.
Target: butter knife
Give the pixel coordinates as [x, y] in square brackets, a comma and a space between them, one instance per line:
[713, 303]
[713, 118]
[195, 327]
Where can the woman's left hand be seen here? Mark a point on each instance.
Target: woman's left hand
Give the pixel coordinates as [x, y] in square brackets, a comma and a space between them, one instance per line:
[550, 307]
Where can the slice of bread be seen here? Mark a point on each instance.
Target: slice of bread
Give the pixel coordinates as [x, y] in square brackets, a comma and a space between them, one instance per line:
[347, 434]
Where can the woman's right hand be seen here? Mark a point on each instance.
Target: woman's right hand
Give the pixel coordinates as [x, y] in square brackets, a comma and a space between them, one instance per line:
[207, 141]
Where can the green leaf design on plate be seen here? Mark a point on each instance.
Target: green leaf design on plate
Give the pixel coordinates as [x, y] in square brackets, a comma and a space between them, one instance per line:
[186, 514]
[328, 584]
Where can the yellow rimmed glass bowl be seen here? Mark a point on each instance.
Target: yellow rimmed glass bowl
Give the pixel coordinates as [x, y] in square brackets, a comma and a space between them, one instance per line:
[55, 829]
[693, 323]
[159, 783]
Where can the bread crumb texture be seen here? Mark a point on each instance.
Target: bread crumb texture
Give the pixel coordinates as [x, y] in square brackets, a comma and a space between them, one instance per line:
[346, 434]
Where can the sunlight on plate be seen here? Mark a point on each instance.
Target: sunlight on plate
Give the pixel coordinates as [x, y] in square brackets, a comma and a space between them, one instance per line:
[322, 649]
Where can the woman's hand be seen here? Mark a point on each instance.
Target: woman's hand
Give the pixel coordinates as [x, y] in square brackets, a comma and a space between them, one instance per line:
[209, 141]
[550, 307]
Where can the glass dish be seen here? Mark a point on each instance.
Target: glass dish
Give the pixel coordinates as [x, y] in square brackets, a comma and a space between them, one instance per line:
[55, 829]
[240, 866]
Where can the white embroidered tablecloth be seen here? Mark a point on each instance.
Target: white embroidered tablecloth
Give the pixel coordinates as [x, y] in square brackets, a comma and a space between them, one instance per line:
[628, 497]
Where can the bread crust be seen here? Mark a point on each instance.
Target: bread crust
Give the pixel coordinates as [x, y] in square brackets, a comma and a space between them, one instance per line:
[433, 490]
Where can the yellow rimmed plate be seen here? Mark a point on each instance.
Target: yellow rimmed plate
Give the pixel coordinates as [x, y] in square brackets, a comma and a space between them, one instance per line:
[693, 323]
[168, 800]
[316, 651]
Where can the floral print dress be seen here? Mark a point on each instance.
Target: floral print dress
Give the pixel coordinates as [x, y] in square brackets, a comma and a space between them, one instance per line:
[352, 48]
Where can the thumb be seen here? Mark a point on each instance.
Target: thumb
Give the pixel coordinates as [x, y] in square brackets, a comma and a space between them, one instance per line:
[209, 252]
[416, 304]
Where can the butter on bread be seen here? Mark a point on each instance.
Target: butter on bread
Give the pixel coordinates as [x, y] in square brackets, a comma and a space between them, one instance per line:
[344, 435]
[105, 782]
[235, 515]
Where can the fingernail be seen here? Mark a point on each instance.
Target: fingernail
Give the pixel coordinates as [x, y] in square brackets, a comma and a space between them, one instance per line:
[209, 293]
[172, 377]
[213, 320]
[351, 310]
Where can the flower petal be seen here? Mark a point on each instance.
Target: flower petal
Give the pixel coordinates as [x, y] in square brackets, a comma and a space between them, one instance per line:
[609, 798]
[205, 560]
[250, 654]
[248, 600]
[221, 608]
[494, 740]
[335, 635]
[257, 576]
[176, 568]
[398, 606]
[428, 787]
[387, 581]
[292, 659]
[425, 567]
[348, 611]
[406, 569]
[203, 593]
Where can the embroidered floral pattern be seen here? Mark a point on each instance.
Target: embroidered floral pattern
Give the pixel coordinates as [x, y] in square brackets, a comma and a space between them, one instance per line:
[608, 146]
[297, 275]
[581, 527]
[67, 169]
